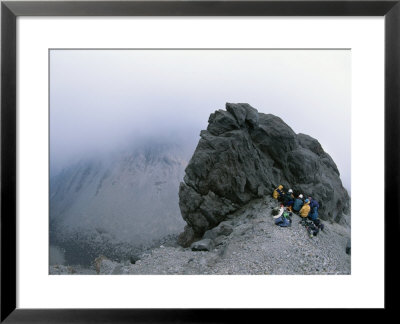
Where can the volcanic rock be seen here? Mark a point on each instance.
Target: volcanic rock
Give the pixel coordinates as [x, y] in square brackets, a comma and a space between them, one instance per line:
[223, 229]
[203, 245]
[244, 155]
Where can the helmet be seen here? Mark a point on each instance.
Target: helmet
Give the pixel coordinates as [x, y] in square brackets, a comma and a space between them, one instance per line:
[280, 186]
[290, 191]
[306, 201]
[300, 196]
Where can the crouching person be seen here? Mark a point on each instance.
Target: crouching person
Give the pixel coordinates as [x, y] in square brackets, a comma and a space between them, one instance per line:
[298, 203]
[313, 209]
[305, 210]
[284, 219]
[313, 216]
[313, 205]
[288, 199]
[278, 193]
[313, 227]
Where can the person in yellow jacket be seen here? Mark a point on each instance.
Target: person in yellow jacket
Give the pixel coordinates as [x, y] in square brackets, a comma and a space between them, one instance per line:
[278, 192]
[305, 209]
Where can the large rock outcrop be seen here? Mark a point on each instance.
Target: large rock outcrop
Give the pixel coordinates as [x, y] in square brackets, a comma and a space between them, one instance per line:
[244, 155]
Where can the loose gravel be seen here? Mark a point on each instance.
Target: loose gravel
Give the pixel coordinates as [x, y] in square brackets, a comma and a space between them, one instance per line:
[256, 246]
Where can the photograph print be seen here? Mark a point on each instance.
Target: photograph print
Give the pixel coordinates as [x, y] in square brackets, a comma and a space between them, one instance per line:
[199, 162]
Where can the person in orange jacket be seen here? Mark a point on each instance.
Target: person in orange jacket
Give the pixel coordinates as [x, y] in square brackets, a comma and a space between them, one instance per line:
[278, 193]
[304, 211]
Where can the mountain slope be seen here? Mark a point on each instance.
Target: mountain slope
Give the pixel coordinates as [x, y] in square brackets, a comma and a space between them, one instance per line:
[113, 205]
[255, 246]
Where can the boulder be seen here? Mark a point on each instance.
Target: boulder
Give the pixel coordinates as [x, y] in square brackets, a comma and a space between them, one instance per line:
[348, 247]
[223, 229]
[103, 265]
[203, 245]
[244, 155]
[220, 240]
[187, 237]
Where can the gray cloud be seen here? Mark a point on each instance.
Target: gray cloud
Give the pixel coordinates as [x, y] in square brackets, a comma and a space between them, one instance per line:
[103, 98]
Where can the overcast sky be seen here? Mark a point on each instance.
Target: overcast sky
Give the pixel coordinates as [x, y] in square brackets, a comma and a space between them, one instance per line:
[102, 98]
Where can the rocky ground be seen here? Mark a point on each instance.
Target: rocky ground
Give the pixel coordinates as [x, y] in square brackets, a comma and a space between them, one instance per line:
[247, 243]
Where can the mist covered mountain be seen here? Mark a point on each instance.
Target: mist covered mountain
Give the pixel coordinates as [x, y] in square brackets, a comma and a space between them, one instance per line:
[125, 213]
[116, 204]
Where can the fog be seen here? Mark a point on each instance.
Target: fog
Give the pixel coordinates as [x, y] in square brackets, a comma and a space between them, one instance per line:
[104, 99]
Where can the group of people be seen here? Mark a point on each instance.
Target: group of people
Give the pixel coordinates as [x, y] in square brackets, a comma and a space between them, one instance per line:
[307, 209]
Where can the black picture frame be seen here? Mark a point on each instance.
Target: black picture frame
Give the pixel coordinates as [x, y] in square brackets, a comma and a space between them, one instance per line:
[10, 10]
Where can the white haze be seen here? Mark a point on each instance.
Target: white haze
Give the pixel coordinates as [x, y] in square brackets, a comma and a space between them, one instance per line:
[103, 99]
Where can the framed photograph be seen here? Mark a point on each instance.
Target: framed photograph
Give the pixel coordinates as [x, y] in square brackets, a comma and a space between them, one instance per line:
[163, 158]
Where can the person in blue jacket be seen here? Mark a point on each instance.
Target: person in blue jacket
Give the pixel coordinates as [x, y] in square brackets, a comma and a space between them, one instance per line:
[313, 209]
[284, 220]
[314, 206]
[298, 203]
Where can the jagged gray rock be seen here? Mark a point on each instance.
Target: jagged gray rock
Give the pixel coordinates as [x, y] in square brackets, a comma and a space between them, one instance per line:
[187, 237]
[348, 246]
[223, 229]
[244, 155]
[203, 245]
